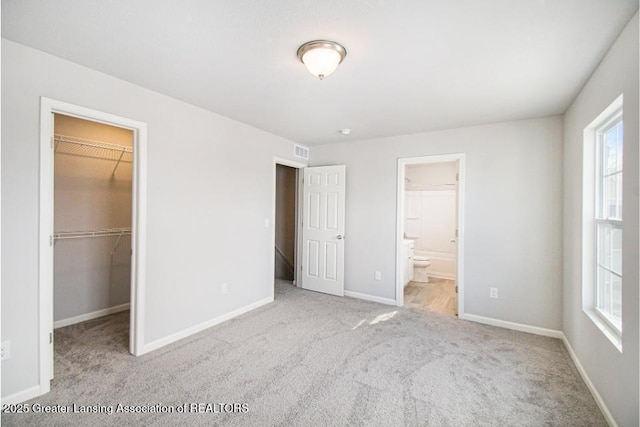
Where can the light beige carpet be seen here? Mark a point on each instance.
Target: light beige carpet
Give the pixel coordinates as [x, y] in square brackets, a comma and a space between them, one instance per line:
[310, 360]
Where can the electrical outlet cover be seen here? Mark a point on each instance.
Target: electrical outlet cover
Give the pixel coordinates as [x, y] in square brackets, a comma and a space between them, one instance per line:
[5, 350]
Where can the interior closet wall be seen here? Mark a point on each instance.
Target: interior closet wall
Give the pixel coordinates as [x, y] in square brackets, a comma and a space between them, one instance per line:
[91, 273]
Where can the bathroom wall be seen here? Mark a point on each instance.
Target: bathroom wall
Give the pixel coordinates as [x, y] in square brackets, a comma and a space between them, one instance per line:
[91, 274]
[431, 222]
[431, 176]
[430, 214]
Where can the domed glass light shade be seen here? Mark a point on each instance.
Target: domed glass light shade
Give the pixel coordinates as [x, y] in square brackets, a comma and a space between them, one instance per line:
[321, 57]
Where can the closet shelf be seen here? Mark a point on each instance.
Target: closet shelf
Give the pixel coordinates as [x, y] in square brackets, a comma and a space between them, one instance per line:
[103, 232]
[96, 149]
[83, 234]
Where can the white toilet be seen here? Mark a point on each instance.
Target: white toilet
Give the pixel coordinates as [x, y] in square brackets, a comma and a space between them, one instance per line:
[420, 266]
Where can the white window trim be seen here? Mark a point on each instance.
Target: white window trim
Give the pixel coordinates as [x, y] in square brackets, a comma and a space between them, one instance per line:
[603, 127]
[589, 222]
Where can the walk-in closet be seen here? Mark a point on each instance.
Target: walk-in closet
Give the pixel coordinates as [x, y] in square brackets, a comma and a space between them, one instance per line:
[92, 233]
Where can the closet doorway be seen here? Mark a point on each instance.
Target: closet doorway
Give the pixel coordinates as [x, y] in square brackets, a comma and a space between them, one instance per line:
[92, 233]
[93, 176]
[285, 224]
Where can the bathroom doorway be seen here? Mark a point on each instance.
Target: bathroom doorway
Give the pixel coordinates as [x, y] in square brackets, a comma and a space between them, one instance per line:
[430, 207]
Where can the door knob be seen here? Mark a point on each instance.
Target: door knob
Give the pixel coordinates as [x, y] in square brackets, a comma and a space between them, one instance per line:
[340, 237]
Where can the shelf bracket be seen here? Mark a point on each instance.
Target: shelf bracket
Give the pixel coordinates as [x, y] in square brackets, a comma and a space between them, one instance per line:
[116, 166]
[115, 245]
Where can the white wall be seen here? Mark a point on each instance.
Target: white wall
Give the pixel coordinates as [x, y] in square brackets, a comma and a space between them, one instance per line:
[614, 375]
[209, 192]
[513, 219]
[431, 176]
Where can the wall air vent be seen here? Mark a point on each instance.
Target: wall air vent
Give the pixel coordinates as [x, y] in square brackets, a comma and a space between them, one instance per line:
[301, 151]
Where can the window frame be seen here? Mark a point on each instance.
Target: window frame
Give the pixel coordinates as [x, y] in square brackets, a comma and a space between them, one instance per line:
[601, 213]
[594, 216]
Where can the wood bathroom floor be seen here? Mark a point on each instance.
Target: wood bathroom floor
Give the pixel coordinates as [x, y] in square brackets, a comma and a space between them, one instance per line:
[439, 296]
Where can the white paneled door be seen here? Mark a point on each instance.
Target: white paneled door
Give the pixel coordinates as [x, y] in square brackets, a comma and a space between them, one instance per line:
[323, 232]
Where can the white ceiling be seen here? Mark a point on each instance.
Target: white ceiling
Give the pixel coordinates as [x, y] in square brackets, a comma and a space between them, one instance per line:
[412, 65]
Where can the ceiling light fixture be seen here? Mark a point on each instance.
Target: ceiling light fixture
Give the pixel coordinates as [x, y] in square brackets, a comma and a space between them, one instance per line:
[321, 57]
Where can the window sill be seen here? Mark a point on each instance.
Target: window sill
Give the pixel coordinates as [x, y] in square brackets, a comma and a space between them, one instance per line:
[611, 334]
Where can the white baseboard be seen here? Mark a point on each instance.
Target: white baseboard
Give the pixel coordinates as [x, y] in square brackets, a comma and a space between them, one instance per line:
[21, 396]
[202, 326]
[90, 316]
[368, 297]
[515, 326]
[592, 388]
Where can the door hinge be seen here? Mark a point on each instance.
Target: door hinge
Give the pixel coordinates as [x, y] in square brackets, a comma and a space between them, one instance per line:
[456, 233]
[457, 177]
[130, 252]
[50, 337]
[456, 289]
[50, 240]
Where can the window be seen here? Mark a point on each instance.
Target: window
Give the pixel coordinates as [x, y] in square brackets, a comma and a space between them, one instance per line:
[602, 282]
[608, 220]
